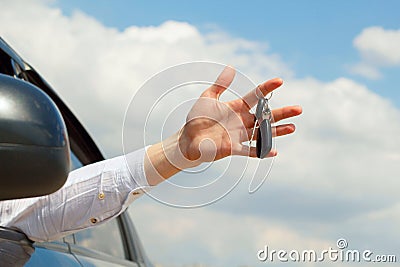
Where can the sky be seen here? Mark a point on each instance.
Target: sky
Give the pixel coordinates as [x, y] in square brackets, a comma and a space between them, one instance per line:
[336, 177]
[313, 37]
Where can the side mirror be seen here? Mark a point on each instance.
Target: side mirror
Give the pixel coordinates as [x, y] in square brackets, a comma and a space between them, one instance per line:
[34, 148]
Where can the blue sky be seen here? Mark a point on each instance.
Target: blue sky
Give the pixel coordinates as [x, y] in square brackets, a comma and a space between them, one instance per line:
[337, 176]
[313, 37]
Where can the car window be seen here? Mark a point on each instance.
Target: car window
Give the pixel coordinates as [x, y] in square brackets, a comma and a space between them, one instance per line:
[75, 163]
[104, 238]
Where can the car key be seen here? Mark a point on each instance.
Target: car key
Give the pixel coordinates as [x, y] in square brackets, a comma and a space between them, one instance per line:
[264, 135]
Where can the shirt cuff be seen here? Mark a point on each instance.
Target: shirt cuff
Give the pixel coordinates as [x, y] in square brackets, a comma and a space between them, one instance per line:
[135, 164]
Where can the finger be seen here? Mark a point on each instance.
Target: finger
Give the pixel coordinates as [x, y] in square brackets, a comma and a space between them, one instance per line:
[223, 81]
[243, 150]
[279, 130]
[283, 129]
[286, 112]
[262, 90]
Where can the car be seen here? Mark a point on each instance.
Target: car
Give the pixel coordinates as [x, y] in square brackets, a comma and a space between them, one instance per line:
[89, 247]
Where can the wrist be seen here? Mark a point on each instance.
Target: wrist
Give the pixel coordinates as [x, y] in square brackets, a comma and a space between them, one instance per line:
[167, 158]
[178, 152]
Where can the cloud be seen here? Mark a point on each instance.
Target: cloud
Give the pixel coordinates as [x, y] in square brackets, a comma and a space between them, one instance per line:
[366, 70]
[227, 236]
[378, 47]
[338, 169]
[338, 175]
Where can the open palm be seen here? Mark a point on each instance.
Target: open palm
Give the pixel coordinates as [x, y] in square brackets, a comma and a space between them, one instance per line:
[216, 129]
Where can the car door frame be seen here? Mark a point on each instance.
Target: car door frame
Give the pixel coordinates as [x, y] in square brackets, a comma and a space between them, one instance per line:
[82, 145]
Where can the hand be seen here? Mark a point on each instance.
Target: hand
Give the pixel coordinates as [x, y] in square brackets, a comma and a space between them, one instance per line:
[215, 130]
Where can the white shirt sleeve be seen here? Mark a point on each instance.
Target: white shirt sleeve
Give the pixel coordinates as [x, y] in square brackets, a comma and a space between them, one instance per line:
[92, 195]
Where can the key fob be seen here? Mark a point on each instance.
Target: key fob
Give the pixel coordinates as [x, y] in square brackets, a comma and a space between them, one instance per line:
[264, 139]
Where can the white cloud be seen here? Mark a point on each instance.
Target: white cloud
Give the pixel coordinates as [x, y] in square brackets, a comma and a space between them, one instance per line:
[340, 170]
[378, 47]
[230, 240]
[366, 70]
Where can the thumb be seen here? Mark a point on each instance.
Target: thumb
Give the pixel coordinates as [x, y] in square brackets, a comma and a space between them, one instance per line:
[223, 81]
